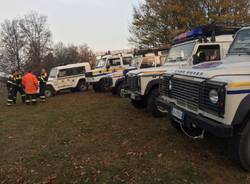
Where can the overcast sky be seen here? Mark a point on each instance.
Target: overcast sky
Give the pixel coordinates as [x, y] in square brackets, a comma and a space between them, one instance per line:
[102, 24]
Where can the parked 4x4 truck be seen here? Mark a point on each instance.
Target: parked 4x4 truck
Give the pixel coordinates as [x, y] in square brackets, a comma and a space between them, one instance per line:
[143, 58]
[214, 97]
[106, 65]
[196, 46]
[67, 77]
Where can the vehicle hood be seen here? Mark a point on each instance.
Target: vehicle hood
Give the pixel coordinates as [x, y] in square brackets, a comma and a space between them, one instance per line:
[149, 71]
[232, 65]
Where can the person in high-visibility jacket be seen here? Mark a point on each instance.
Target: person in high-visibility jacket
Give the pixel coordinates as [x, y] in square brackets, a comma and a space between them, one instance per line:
[30, 85]
[43, 78]
[19, 88]
[11, 87]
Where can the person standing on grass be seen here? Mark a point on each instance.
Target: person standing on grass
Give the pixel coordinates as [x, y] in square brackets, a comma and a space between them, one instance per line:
[43, 78]
[11, 87]
[19, 88]
[30, 85]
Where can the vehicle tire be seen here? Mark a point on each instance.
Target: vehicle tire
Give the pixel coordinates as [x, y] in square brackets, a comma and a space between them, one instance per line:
[49, 92]
[239, 147]
[81, 86]
[103, 87]
[118, 89]
[138, 104]
[96, 87]
[152, 106]
[175, 125]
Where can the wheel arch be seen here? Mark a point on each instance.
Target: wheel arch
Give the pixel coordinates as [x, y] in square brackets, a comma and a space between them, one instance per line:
[152, 85]
[242, 113]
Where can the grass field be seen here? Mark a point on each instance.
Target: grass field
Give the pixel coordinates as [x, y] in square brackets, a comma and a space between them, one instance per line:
[97, 138]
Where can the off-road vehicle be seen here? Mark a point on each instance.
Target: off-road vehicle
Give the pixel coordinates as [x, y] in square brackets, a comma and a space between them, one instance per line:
[198, 45]
[67, 77]
[105, 66]
[143, 58]
[214, 97]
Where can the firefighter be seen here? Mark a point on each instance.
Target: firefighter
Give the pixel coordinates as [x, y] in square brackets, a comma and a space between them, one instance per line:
[11, 87]
[30, 84]
[43, 78]
[19, 88]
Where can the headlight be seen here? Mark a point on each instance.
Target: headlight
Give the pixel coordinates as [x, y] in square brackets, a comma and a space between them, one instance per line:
[214, 96]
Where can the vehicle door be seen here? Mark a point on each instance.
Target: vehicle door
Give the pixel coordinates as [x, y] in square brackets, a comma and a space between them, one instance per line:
[115, 64]
[127, 62]
[75, 75]
[64, 79]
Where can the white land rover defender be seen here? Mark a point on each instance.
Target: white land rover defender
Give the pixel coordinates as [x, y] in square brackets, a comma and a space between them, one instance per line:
[105, 66]
[198, 45]
[67, 77]
[143, 58]
[214, 97]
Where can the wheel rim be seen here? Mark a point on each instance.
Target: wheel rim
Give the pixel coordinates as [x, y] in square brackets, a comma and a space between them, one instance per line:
[48, 93]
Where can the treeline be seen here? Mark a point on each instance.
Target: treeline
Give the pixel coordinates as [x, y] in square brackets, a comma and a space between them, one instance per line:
[27, 42]
[156, 22]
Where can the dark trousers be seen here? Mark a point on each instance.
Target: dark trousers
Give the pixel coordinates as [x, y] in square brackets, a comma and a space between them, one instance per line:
[42, 92]
[31, 99]
[11, 96]
[21, 91]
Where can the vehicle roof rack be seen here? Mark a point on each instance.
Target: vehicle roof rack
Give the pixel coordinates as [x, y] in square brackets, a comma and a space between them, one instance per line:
[205, 31]
[156, 50]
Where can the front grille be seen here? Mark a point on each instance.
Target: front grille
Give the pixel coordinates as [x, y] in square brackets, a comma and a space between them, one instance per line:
[131, 83]
[164, 84]
[89, 74]
[186, 91]
[194, 93]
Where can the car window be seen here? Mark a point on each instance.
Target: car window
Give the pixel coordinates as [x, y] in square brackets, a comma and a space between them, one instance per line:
[127, 60]
[78, 70]
[62, 73]
[207, 53]
[148, 62]
[115, 62]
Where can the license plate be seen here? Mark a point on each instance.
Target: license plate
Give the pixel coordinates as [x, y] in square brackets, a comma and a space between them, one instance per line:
[178, 114]
[133, 96]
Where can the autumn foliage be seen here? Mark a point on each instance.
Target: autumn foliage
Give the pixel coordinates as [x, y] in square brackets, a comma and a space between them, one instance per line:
[156, 22]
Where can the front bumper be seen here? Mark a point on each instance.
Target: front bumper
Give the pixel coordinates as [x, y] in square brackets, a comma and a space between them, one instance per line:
[216, 128]
[130, 94]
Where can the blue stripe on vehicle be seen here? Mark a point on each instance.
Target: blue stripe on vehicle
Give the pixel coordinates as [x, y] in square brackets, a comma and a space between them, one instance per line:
[238, 92]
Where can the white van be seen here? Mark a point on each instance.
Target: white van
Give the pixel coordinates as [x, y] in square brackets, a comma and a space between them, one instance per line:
[67, 77]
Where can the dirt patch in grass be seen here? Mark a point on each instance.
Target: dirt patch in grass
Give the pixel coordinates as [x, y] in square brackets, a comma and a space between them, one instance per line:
[98, 138]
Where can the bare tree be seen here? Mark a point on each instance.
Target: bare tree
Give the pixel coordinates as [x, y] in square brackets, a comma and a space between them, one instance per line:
[72, 54]
[38, 37]
[12, 45]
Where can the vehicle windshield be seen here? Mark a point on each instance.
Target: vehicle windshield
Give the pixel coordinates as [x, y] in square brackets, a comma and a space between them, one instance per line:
[53, 73]
[101, 63]
[180, 52]
[241, 44]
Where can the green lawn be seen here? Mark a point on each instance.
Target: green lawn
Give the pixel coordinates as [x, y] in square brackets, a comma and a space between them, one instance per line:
[97, 138]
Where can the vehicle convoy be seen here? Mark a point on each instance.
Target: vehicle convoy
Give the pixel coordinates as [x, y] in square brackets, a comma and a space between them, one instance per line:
[214, 97]
[206, 43]
[106, 65]
[67, 77]
[143, 58]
